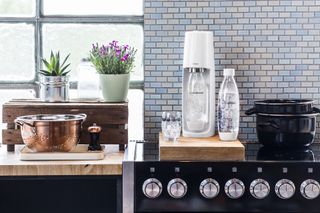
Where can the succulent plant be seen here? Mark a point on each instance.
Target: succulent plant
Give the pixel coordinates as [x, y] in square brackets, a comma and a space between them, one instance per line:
[54, 67]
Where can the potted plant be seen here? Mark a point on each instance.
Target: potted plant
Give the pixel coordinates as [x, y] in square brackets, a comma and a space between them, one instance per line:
[113, 63]
[54, 80]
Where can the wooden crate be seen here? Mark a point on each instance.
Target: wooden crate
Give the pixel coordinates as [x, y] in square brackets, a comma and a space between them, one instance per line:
[112, 117]
[200, 149]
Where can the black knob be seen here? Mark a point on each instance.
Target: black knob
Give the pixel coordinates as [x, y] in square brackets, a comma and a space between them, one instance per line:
[94, 131]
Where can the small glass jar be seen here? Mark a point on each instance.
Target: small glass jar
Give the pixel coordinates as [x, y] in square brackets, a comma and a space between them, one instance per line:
[88, 81]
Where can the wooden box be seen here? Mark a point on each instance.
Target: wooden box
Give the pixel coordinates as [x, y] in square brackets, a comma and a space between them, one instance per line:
[112, 117]
[200, 149]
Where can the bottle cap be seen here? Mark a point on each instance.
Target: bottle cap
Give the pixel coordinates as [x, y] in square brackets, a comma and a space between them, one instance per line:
[228, 72]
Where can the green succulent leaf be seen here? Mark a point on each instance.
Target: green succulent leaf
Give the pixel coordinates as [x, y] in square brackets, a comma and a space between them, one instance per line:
[54, 66]
[66, 58]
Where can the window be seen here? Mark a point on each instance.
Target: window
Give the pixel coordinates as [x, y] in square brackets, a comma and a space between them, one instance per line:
[30, 29]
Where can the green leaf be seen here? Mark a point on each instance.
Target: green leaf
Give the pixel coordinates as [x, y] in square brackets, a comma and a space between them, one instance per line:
[64, 68]
[47, 65]
[66, 58]
[65, 73]
[45, 72]
[57, 67]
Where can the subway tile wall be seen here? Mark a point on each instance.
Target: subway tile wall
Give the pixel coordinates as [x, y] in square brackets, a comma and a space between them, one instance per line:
[273, 45]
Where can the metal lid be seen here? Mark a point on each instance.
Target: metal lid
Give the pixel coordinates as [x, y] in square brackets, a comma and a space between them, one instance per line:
[284, 101]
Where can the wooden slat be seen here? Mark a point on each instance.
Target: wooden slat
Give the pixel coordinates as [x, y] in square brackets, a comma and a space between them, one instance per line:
[70, 102]
[107, 136]
[112, 116]
[200, 149]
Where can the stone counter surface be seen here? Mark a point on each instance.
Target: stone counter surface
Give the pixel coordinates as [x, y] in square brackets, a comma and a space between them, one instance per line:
[11, 165]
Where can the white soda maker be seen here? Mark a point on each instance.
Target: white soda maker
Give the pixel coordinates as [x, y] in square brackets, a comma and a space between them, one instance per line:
[198, 85]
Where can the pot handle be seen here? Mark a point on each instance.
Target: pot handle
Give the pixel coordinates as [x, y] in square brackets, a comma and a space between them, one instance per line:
[251, 111]
[271, 124]
[84, 117]
[21, 123]
[315, 109]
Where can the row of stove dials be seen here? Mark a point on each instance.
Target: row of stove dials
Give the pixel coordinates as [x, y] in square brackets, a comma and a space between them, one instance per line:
[234, 188]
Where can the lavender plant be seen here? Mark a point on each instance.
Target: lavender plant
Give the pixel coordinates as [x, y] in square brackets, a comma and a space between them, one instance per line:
[112, 58]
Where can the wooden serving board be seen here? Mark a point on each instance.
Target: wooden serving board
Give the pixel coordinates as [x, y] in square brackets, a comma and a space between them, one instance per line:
[79, 153]
[200, 149]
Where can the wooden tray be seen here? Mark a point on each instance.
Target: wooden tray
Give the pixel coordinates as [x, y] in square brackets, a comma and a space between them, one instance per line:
[200, 149]
[79, 153]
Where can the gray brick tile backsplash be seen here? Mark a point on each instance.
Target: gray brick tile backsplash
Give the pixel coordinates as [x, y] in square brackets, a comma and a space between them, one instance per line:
[274, 46]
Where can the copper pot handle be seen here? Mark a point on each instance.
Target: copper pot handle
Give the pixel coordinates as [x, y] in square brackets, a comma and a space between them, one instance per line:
[84, 117]
[21, 123]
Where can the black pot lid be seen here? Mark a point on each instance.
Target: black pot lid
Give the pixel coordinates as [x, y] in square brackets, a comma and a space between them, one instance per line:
[284, 101]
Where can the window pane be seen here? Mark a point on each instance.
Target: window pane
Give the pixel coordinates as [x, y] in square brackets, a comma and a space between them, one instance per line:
[77, 39]
[17, 8]
[93, 7]
[135, 126]
[17, 61]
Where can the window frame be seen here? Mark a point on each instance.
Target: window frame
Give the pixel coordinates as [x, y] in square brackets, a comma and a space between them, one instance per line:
[39, 19]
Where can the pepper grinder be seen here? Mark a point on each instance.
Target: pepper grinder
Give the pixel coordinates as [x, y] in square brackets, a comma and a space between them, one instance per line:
[94, 131]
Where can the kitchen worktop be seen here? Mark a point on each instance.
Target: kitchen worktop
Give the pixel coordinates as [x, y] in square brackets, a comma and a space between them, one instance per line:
[11, 165]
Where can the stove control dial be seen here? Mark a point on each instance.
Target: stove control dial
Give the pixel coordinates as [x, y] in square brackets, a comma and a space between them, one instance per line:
[285, 189]
[234, 188]
[259, 188]
[152, 188]
[209, 188]
[177, 188]
[310, 189]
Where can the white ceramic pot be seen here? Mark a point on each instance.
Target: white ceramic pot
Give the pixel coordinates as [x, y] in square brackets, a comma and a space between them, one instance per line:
[114, 87]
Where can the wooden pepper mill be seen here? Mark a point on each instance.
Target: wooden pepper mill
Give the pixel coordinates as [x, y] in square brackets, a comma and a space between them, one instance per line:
[94, 131]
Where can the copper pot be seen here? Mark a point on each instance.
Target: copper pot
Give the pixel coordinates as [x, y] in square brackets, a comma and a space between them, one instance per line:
[51, 132]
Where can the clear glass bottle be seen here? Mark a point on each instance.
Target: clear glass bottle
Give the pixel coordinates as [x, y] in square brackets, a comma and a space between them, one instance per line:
[197, 115]
[88, 81]
[228, 107]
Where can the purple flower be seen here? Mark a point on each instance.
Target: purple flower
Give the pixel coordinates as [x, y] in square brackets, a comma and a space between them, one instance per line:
[124, 58]
[113, 43]
[102, 51]
[118, 52]
[94, 47]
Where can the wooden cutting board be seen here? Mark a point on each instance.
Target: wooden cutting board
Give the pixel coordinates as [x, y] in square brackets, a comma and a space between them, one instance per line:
[79, 153]
[200, 149]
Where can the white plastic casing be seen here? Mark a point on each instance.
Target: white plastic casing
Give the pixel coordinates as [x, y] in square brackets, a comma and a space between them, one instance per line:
[198, 50]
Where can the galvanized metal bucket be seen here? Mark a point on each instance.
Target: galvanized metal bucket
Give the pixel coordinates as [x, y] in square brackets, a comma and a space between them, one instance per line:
[54, 88]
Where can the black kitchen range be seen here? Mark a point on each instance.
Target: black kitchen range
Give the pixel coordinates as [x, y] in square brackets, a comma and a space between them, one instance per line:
[279, 174]
[268, 180]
